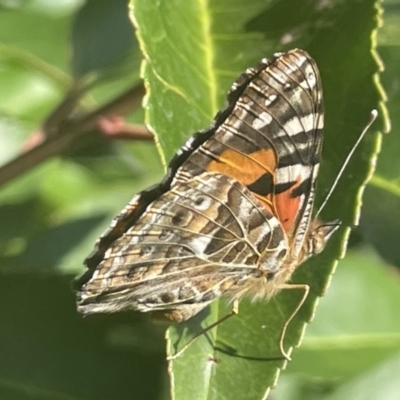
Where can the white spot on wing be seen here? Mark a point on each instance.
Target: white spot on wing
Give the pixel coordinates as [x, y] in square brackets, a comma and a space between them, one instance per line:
[199, 244]
[270, 99]
[262, 120]
[291, 173]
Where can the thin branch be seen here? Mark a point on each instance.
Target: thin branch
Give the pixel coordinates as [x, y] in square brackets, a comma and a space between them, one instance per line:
[70, 131]
[115, 128]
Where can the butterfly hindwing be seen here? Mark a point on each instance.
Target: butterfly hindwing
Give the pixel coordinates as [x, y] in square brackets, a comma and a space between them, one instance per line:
[189, 246]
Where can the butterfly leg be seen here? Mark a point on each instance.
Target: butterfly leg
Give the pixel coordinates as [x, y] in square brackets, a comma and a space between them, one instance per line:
[234, 311]
[306, 290]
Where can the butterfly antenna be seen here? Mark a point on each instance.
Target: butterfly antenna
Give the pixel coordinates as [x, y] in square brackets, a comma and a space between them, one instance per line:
[372, 118]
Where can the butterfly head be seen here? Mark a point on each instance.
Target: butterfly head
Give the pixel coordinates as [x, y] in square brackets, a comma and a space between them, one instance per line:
[318, 235]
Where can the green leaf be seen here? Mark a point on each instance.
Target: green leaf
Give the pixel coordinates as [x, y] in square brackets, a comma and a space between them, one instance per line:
[192, 50]
[31, 73]
[344, 341]
[381, 211]
[188, 74]
[50, 353]
[380, 383]
[101, 36]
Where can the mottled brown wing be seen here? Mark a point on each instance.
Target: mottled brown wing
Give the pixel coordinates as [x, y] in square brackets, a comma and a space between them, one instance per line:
[201, 239]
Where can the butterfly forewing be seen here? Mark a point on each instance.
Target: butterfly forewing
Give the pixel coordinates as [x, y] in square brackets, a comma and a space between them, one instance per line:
[232, 213]
[271, 141]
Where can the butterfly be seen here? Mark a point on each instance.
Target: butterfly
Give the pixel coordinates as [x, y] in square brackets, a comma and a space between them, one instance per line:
[233, 215]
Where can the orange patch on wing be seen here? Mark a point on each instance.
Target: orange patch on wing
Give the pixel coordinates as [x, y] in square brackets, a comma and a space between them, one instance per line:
[287, 208]
[245, 168]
